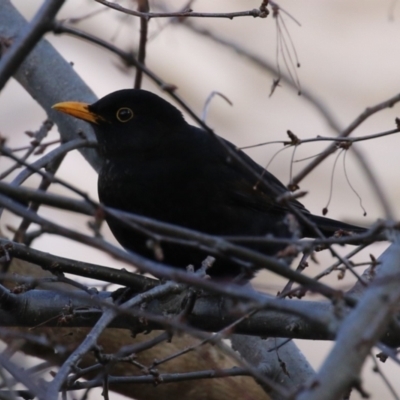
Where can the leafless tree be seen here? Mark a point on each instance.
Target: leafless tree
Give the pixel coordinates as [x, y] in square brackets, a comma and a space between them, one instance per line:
[184, 335]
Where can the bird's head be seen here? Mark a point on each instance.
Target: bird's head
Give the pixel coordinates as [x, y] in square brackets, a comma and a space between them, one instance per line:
[127, 121]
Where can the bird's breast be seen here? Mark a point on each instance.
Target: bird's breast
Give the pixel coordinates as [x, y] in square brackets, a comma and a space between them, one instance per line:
[173, 191]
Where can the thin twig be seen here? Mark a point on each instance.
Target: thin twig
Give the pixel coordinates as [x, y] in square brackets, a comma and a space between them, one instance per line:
[345, 133]
[256, 13]
[326, 139]
[90, 340]
[44, 185]
[143, 7]
[165, 378]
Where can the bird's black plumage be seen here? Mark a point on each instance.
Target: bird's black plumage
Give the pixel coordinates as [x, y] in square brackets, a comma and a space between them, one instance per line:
[159, 166]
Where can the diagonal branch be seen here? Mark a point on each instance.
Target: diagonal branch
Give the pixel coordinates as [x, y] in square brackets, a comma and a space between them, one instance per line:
[33, 74]
[360, 331]
[27, 39]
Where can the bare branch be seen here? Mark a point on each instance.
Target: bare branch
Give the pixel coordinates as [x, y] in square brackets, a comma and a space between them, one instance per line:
[359, 332]
[256, 13]
[33, 75]
[27, 39]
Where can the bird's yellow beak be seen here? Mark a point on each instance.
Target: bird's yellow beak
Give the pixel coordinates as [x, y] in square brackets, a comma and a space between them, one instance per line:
[78, 110]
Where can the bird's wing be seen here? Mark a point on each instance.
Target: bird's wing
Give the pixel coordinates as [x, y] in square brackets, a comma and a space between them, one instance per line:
[248, 190]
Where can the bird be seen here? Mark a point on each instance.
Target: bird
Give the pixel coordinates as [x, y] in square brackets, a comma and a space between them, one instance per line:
[157, 165]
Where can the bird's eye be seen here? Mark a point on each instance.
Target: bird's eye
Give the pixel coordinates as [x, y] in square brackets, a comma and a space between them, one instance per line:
[124, 114]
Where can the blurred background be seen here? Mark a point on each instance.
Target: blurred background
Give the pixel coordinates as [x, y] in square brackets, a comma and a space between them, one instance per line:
[349, 61]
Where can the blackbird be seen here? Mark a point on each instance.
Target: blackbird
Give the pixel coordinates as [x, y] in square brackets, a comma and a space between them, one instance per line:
[157, 165]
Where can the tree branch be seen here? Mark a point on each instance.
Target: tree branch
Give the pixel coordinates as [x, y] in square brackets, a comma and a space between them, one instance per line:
[361, 329]
[33, 74]
[27, 39]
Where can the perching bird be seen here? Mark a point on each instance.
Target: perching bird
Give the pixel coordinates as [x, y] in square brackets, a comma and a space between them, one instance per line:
[159, 166]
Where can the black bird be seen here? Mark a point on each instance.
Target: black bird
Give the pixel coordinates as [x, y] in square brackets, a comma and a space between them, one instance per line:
[159, 166]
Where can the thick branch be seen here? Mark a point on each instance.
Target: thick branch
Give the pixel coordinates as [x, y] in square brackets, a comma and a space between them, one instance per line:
[287, 318]
[27, 39]
[34, 73]
[361, 329]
